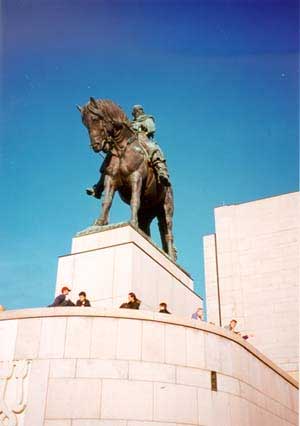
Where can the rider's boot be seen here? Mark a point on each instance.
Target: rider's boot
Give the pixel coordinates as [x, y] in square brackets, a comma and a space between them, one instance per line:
[97, 189]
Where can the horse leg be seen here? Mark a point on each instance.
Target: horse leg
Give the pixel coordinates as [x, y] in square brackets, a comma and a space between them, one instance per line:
[144, 222]
[136, 186]
[109, 189]
[165, 222]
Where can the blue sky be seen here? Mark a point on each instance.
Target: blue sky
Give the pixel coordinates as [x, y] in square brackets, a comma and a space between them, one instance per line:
[220, 77]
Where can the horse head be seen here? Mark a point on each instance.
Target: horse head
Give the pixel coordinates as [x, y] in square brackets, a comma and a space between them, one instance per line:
[104, 120]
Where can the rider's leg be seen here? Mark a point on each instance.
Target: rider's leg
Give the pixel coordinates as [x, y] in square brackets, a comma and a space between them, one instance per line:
[159, 163]
[97, 189]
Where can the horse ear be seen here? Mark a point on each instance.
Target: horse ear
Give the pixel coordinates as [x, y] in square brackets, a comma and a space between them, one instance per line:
[79, 108]
[93, 102]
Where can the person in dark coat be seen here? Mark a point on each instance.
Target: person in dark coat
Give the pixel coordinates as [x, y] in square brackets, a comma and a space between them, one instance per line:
[62, 299]
[133, 302]
[83, 301]
[163, 308]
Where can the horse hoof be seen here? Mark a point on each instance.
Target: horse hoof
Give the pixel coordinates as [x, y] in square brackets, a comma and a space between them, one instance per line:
[100, 223]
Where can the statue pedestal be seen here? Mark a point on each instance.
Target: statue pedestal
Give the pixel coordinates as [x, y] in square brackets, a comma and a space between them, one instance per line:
[110, 263]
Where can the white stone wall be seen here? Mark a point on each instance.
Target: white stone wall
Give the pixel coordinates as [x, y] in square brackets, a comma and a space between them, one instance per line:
[257, 248]
[121, 368]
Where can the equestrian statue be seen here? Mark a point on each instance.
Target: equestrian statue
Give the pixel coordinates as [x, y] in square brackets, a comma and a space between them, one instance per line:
[134, 166]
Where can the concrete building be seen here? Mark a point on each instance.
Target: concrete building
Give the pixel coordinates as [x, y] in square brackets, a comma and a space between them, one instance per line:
[252, 273]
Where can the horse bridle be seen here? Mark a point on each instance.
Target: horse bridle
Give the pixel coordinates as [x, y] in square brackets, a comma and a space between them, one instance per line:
[108, 140]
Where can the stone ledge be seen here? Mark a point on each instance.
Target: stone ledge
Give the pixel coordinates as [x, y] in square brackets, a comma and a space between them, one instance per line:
[146, 316]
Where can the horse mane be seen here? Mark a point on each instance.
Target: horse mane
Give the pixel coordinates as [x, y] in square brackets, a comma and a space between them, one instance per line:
[110, 110]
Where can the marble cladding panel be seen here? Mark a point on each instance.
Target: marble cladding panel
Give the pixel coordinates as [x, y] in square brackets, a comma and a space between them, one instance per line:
[102, 368]
[78, 337]
[122, 273]
[153, 341]
[175, 345]
[8, 337]
[134, 400]
[153, 372]
[65, 398]
[65, 272]
[97, 240]
[52, 338]
[175, 403]
[93, 273]
[147, 277]
[129, 339]
[28, 338]
[104, 338]
[37, 393]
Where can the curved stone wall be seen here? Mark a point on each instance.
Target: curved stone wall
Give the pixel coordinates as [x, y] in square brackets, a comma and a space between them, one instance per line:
[90, 367]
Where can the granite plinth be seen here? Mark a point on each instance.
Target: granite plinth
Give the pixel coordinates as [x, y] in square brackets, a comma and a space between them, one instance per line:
[110, 262]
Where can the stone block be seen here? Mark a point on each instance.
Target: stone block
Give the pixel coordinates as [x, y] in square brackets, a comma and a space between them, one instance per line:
[122, 280]
[239, 411]
[175, 344]
[221, 410]
[134, 400]
[175, 403]
[8, 335]
[62, 368]
[104, 338]
[37, 391]
[102, 368]
[28, 338]
[65, 398]
[228, 384]
[153, 341]
[129, 341]
[195, 353]
[78, 337]
[53, 335]
[149, 371]
[57, 423]
[212, 352]
[193, 377]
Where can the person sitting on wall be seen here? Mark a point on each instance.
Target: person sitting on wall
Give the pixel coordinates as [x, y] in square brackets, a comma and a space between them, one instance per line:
[133, 302]
[163, 308]
[198, 315]
[83, 301]
[62, 299]
[231, 327]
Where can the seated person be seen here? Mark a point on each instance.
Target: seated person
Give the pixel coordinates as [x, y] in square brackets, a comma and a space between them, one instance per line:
[163, 308]
[133, 302]
[83, 301]
[62, 299]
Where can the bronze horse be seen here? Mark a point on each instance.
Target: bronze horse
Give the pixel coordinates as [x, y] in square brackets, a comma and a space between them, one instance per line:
[128, 171]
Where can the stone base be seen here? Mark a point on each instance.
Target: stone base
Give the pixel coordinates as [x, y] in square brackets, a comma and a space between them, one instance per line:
[93, 367]
[109, 263]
